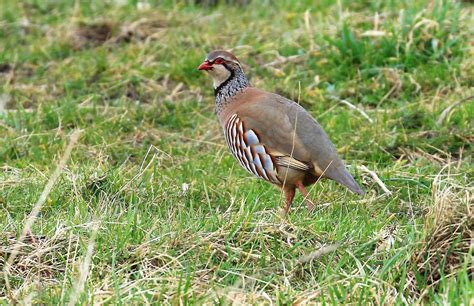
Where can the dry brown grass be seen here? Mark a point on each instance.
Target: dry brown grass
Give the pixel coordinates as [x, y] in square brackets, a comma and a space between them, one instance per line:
[448, 233]
[92, 34]
[41, 259]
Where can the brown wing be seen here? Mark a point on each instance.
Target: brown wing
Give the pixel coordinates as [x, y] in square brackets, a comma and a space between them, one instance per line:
[288, 129]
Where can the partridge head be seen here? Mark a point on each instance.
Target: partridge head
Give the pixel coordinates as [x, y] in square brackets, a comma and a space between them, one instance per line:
[272, 137]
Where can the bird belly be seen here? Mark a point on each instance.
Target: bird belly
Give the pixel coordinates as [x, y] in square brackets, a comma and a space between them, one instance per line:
[249, 152]
[291, 176]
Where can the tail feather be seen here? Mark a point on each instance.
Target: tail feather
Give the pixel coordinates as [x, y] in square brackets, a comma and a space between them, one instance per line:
[343, 177]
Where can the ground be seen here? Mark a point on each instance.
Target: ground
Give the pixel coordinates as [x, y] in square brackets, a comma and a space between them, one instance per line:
[116, 185]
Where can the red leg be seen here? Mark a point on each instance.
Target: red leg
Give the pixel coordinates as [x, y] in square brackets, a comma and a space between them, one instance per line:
[309, 203]
[290, 194]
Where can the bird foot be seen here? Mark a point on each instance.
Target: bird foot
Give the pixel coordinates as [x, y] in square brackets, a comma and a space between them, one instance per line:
[303, 191]
[310, 205]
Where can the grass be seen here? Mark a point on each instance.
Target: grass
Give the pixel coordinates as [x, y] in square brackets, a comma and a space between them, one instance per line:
[151, 207]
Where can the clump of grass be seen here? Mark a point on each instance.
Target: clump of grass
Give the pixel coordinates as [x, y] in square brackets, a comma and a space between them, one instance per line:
[447, 239]
[91, 34]
[42, 261]
[85, 35]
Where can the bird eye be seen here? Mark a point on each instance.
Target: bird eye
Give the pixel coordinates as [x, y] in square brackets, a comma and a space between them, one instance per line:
[219, 61]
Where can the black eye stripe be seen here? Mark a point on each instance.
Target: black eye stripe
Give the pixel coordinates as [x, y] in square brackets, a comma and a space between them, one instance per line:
[227, 67]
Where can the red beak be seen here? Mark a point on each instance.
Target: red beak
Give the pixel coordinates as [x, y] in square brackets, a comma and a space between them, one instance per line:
[205, 66]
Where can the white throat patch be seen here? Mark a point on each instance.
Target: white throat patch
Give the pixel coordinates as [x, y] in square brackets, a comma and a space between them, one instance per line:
[219, 74]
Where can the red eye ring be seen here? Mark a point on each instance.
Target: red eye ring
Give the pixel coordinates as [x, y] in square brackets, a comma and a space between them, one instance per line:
[218, 61]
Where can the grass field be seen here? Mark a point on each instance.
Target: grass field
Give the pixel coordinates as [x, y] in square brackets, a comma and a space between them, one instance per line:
[116, 185]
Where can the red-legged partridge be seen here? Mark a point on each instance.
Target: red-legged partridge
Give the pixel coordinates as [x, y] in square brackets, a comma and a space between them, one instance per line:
[270, 136]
